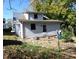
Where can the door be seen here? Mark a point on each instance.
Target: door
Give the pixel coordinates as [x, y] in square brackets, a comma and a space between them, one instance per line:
[44, 28]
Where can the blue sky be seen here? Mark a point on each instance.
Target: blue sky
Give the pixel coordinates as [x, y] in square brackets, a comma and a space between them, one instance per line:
[19, 5]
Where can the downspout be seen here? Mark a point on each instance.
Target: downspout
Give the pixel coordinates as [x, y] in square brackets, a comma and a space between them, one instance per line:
[21, 33]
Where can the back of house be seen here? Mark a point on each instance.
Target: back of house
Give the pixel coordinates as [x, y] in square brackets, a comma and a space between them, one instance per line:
[35, 24]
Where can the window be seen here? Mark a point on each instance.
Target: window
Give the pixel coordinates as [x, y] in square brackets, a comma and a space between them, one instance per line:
[14, 18]
[35, 16]
[3, 21]
[33, 27]
[44, 28]
[44, 18]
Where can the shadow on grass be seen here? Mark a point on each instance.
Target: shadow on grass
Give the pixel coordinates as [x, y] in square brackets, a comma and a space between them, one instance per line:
[11, 42]
[8, 33]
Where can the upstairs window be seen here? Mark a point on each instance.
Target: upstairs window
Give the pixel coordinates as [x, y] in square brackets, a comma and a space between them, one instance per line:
[35, 16]
[33, 26]
[44, 18]
[14, 18]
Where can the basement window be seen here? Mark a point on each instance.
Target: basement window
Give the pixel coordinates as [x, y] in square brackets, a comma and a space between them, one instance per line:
[35, 16]
[33, 27]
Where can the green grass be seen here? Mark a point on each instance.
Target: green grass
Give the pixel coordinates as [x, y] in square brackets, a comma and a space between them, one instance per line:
[10, 37]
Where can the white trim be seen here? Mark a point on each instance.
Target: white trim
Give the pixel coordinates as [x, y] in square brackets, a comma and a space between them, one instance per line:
[21, 33]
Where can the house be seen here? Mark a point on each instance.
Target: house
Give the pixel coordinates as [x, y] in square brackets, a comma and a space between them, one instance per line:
[5, 24]
[34, 24]
[13, 25]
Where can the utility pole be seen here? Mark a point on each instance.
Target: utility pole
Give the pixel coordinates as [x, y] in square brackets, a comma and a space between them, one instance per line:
[58, 43]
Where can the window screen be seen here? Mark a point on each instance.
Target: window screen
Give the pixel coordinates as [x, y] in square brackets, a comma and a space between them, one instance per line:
[33, 26]
[35, 16]
[44, 28]
[14, 18]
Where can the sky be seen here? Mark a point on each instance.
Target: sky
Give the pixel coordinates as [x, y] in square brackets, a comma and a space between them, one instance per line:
[18, 5]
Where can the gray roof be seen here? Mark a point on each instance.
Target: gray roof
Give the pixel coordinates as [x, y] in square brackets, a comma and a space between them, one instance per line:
[57, 21]
[34, 12]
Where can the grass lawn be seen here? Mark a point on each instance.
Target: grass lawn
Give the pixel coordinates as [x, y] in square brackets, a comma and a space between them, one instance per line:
[9, 37]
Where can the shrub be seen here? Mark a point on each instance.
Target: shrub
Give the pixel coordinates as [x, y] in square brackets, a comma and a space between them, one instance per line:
[66, 35]
[45, 54]
[25, 51]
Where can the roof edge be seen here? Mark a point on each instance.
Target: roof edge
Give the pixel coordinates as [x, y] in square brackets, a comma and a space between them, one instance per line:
[22, 20]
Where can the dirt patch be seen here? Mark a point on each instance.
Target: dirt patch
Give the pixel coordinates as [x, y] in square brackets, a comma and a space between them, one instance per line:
[66, 47]
[50, 43]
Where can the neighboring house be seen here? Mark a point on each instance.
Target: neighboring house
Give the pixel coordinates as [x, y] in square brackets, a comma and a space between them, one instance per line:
[5, 26]
[33, 24]
[12, 24]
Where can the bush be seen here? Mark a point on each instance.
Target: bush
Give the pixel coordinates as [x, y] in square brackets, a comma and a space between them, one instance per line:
[66, 35]
[26, 51]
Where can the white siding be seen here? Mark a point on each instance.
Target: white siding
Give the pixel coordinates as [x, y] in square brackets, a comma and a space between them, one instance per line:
[31, 16]
[18, 29]
[52, 28]
[21, 16]
[26, 16]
